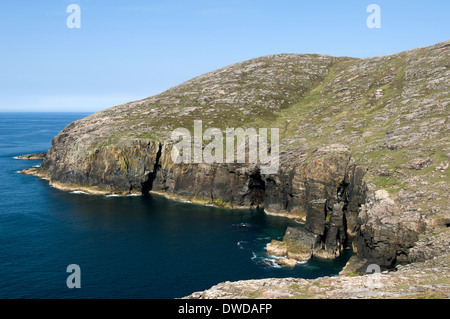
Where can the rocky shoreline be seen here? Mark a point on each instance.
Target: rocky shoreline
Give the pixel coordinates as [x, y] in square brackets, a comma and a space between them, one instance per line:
[364, 151]
[423, 280]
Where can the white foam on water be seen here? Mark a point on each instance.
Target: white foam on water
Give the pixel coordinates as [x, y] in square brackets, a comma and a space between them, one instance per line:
[268, 261]
[79, 192]
[245, 224]
[240, 244]
[274, 257]
[271, 263]
[242, 225]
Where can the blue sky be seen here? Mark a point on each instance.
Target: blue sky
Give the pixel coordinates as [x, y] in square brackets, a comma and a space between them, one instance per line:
[129, 50]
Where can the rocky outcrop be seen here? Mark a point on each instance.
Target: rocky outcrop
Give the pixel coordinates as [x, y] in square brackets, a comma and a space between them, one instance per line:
[34, 157]
[120, 168]
[423, 280]
[430, 246]
[329, 193]
[387, 233]
[301, 244]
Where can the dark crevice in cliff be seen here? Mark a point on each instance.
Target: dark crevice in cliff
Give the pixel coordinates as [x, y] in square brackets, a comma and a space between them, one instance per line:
[211, 190]
[343, 194]
[148, 184]
[257, 189]
[346, 243]
[343, 198]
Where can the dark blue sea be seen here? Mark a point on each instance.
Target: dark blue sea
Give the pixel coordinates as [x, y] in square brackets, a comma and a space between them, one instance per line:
[126, 247]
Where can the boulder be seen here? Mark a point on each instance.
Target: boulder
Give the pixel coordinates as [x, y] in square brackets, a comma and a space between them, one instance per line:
[289, 262]
[355, 265]
[276, 248]
[386, 232]
[301, 243]
[417, 163]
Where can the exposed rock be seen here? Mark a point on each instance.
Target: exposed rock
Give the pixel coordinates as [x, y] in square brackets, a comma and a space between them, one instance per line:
[35, 156]
[333, 148]
[276, 248]
[417, 163]
[289, 262]
[316, 216]
[442, 166]
[429, 279]
[336, 232]
[332, 219]
[355, 265]
[430, 246]
[386, 232]
[301, 244]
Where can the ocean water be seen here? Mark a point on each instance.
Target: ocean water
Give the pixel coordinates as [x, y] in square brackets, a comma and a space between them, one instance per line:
[126, 247]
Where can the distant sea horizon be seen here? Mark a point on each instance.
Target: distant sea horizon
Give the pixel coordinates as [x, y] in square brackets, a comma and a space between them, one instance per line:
[55, 112]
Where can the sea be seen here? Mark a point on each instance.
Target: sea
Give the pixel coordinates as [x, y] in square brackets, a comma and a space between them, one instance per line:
[127, 247]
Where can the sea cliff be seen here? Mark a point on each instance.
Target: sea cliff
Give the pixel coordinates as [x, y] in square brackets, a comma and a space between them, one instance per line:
[364, 150]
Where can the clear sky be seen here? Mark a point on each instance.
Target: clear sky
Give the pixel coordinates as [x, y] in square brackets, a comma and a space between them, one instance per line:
[131, 49]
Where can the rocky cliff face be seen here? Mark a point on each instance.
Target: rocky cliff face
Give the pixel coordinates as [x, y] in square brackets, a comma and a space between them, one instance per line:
[364, 148]
[387, 232]
[327, 193]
